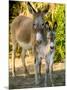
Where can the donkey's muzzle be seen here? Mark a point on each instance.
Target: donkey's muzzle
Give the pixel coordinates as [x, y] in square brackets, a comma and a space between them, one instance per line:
[39, 42]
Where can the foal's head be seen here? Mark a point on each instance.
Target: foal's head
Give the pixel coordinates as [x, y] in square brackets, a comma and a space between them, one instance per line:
[51, 35]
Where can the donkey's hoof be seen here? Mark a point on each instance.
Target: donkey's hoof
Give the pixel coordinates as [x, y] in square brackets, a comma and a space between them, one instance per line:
[24, 75]
[52, 85]
[13, 74]
[27, 73]
[45, 85]
[37, 83]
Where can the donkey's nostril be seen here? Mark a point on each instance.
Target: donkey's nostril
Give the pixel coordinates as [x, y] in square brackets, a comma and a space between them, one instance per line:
[39, 42]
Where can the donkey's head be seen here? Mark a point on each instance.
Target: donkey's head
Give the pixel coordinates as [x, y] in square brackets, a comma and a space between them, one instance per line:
[39, 24]
[39, 27]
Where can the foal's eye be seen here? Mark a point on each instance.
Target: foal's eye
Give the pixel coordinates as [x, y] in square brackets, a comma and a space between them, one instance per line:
[42, 24]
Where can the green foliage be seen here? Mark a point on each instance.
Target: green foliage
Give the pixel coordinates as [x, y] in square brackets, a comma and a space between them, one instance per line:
[13, 10]
[41, 5]
[59, 16]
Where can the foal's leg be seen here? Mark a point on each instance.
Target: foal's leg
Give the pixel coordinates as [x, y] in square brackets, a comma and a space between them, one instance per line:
[51, 74]
[46, 73]
[23, 54]
[51, 69]
[13, 59]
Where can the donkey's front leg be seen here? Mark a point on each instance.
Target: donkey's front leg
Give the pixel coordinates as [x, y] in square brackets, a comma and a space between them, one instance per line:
[36, 68]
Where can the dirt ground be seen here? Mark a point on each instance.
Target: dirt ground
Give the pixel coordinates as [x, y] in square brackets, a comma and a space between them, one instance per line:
[28, 81]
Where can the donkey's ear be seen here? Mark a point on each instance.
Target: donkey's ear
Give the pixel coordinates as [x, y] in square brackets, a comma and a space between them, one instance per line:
[45, 10]
[55, 25]
[31, 8]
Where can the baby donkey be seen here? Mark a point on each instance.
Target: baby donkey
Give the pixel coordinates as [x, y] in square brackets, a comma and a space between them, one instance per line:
[45, 50]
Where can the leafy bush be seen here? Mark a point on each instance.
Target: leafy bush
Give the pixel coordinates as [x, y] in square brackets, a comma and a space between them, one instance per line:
[59, 16]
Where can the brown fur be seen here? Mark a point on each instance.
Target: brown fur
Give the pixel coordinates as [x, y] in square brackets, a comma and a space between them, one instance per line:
[20, 30]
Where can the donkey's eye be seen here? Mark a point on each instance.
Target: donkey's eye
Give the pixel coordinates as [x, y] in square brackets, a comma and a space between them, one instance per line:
[34, 24]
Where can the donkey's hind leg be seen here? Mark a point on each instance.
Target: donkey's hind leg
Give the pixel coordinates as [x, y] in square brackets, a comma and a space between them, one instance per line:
[13, 59]
[23, 55]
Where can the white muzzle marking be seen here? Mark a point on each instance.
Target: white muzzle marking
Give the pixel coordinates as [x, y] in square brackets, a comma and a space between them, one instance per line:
[38, 36]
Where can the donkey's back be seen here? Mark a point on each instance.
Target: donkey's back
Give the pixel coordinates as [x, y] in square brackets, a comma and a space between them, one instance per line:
[21, 29]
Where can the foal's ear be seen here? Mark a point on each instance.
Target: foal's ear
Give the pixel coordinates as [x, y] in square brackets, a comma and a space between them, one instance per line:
[55, 25]
[47, 25]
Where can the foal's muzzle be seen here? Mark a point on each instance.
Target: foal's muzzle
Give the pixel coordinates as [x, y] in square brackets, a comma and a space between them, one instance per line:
[52, 46]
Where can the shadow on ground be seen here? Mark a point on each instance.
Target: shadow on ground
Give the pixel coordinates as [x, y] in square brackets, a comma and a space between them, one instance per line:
[20, 81]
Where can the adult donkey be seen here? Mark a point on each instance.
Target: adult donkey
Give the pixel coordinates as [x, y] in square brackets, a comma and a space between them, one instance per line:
[23, 30]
